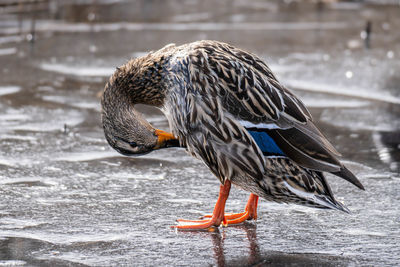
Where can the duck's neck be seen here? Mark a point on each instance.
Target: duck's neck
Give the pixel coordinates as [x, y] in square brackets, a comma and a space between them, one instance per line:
[140, 81]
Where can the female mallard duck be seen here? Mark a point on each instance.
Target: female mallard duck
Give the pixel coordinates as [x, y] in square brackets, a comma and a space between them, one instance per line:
[228, 109]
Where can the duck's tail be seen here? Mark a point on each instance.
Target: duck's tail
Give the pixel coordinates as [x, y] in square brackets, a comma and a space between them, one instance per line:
[300, 185]
[321, 200]
[333, 204]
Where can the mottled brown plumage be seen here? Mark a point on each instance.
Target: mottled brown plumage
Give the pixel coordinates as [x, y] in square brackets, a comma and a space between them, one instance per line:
[228, 109]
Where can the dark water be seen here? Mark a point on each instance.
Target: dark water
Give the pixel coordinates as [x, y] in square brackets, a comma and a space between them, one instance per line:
[67, 199]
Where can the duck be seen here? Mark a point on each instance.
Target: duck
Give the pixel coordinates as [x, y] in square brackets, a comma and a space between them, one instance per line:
[226, 108]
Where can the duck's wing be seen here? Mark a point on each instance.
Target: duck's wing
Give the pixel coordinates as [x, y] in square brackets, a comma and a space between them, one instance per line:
[253, 95]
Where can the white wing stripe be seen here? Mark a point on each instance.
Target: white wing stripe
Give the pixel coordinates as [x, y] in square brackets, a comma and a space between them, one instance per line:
[248, 124]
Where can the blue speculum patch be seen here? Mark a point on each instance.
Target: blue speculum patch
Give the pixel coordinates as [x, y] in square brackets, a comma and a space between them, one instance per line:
[266, 143]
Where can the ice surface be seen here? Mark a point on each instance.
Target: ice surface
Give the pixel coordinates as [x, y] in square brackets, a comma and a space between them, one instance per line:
[68, 199]
[77, 70]
[6, 90]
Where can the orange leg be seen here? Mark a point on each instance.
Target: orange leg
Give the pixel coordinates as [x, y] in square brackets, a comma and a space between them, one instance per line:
[250, 212]
[218, 214]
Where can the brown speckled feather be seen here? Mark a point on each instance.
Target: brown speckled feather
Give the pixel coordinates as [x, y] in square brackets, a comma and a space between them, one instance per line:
[215, 96]
[249, 91]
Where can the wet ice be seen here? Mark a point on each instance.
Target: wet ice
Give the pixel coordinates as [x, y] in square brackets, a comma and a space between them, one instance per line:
[69, 199]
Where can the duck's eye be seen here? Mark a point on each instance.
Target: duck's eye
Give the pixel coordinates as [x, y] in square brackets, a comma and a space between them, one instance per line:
[133, 144]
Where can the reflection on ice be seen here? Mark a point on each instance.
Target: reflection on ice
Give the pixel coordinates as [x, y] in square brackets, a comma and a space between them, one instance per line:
[8, 51]
[184, 200]
[13, 118]
[12, 223]
[139, 176]
[6, 162]
[363, 232]
[52, 26]
[387, 144]
[383, 151]
[354, 92]
[87, 105]
[12, 263]
[77, 70]
[326, 103]
[26, 181]
[87, 156]
[6, 90]
[68, 238]
[346, 5]
[362, 119]
[42, 122]
[191, 17]
[10, 39]
[73, 101]
[18, 137]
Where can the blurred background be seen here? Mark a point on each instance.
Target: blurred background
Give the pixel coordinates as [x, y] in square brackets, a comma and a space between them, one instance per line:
[68, 199]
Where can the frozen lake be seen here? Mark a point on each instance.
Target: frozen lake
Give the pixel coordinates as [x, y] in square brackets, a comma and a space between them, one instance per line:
[67, 199]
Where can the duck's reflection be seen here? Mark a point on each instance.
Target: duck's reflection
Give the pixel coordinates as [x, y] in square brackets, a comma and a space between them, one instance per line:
[251, 234]
[268, 258]
[218, 245]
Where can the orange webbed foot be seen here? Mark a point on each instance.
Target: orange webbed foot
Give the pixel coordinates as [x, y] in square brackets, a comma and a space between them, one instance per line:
[199, 224]
[216, 219]
[250, 212]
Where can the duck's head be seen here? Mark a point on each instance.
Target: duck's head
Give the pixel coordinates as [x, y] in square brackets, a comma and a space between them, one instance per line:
[124, 127]
[129, 133]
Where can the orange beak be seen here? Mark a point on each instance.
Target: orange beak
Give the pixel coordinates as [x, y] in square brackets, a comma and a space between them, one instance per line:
[164, 139]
